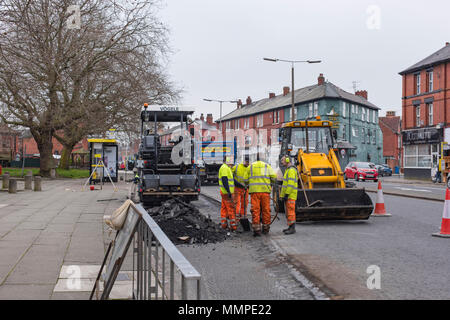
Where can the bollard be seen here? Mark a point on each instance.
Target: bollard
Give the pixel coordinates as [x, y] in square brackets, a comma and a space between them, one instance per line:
[37, 183]
[5, 180]
[12, 185]
[53, 173]
[28, 182]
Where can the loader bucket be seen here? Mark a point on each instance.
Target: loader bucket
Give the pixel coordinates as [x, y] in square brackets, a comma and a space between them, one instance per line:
[333, 204]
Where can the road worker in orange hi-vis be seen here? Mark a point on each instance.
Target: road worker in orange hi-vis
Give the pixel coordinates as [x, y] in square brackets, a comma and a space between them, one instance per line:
[226, 183]
[289, 192]
[260, 175]
[241, 189]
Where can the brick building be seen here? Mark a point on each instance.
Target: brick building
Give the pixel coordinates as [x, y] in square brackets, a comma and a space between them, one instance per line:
[355, 118]
[425, 113]
[9, 144]
[391, 127]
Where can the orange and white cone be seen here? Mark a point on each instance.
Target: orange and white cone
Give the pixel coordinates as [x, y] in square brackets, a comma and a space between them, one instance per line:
[445, 226]
[380, 210]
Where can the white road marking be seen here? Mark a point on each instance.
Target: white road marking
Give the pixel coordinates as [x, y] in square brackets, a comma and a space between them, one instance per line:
[408, 189]
[3, 205]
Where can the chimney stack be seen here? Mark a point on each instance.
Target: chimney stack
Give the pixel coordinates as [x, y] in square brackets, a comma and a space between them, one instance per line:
[362, 93]
[271, 95]
[209, 118]
[249, 100]
[321, 79]
[447, 43]
[285, 91]
[390, 113]
[239, 103]
[202, 117]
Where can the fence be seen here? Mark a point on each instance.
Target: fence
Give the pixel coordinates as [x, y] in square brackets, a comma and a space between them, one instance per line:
[160, 271]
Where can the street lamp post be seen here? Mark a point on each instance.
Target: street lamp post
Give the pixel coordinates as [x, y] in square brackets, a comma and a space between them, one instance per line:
[220, 101]
[292, 62]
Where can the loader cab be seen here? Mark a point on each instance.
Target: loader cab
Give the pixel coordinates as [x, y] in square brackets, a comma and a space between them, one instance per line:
[309, 136]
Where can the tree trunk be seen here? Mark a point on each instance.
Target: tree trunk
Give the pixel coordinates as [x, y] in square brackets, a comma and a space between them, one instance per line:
[46, 155]
[65, 157]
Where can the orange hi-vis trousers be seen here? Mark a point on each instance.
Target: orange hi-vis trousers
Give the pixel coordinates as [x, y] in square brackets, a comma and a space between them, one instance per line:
[227, 213]
[241, 201]
[290, 211]
[260, 203]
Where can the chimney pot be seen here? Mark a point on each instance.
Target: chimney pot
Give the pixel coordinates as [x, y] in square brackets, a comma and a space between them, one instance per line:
[321, 79]
[285, 91]
[390, 113]
[447, 43]
[362, 93]
[249, 100]
[201, 117]
[271, 95]
[239, 103]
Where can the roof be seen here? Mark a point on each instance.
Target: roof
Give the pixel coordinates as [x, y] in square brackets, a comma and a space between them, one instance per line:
[392, 123]
[303, 95]
[440, 56]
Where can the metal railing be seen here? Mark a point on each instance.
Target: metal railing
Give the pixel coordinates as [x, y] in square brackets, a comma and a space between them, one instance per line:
[160, 271]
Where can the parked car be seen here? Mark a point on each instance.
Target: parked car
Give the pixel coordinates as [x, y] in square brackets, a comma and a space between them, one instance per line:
[361, 171]
[383, 170]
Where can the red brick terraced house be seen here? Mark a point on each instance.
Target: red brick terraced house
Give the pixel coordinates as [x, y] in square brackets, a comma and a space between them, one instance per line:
[426, 113]
[391, 126]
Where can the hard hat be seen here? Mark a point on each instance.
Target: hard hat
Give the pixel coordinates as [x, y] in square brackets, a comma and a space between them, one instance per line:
[228, 160]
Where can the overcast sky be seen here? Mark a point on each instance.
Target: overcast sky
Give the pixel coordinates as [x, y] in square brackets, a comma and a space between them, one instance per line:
[219, 45]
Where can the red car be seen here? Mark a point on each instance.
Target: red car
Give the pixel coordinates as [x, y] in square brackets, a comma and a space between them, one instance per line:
[361, 171]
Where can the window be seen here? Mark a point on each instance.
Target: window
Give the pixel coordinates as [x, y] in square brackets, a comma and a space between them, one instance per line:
[418, 116]
[363, 114]
[353, 108]
[246, 123]
[418, 156]
[228, 125]
[417, 78]
[344, 132]
[310, 107]
[316, 109]
[276, 116]
[344, 109]
[363, 137]
[260, 120]
[355, 131]
[430, 80]
[236, 124]
[295, 113]
[430, 113]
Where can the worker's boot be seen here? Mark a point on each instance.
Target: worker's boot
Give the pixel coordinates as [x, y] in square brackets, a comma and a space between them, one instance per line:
[257, 233]
[265, 230]
[290, 230]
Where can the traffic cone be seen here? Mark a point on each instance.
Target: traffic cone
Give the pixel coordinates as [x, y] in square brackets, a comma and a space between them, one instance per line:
[445, 226]
[380, 210]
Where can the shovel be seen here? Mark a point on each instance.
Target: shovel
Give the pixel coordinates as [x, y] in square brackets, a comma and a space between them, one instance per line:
[244, 221]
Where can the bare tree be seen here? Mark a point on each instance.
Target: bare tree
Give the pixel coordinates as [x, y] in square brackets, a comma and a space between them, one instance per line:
[71, 80]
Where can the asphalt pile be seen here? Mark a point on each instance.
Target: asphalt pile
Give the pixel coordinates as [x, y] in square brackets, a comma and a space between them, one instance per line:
[184, 224]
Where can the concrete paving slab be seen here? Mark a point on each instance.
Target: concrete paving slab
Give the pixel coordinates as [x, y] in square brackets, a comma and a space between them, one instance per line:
[76, 285]
[22, 235]
[122, 290]
[25, 292]
[84, 272]
[60, 227]
[84, 295]
[32, 226]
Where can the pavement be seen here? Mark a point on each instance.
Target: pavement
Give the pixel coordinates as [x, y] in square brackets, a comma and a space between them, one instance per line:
[50, 239]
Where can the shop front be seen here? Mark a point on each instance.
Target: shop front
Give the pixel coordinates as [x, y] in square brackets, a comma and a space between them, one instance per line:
[421, 151]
